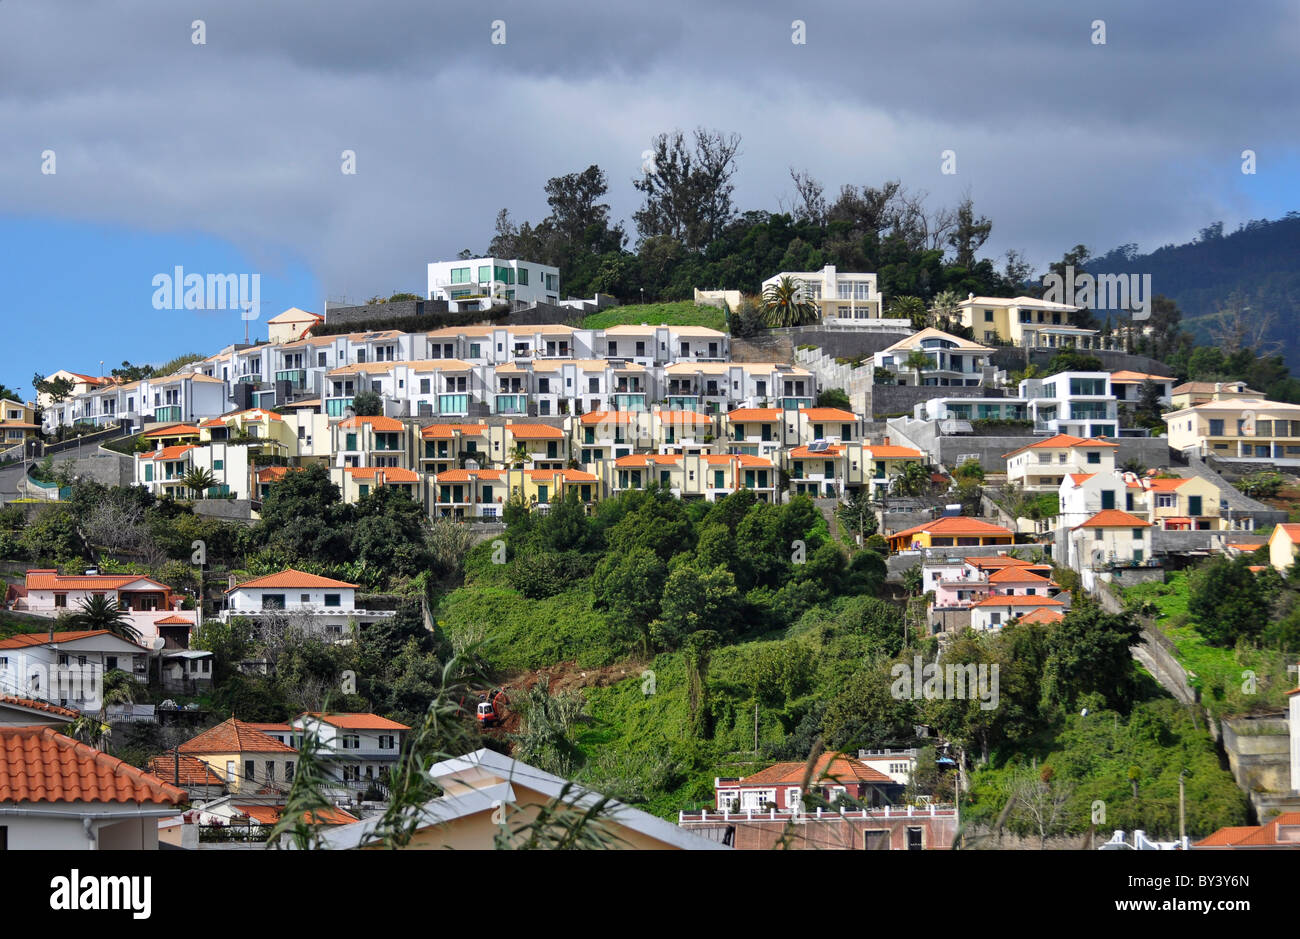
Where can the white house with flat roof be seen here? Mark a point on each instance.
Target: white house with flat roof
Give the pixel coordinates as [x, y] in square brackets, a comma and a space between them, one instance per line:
[1078, 403]
[478, 282]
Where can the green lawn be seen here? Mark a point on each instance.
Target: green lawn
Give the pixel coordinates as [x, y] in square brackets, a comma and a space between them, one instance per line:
[684, 313]
[1221, 675]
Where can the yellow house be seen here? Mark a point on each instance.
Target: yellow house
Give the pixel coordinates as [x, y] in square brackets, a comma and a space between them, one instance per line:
[357, 482]
[883, 461]
[950, 532]
[17, 423]
[602, 435]
[483, 789]
[760, 431]
[1188, 504]
[541, 487]
[539, 446]
[1024, 321]
[247, 759]
[689, 432]
[1282, 546]
[442, 447]
[291, 325]
[1191, 393]
[375, 441]
[725, 473]
[1237, 428]
[639, 470]
[458, 493]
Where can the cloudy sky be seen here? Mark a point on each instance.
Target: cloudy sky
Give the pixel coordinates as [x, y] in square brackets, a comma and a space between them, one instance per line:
[226, 156]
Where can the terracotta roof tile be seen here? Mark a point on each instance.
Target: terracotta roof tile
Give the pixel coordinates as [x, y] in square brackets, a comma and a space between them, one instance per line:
[1114, 518]
[830, 767]
[534, 431]
[26, 640]
[956, 525]
[193, 771]
[176, 430]
[828, 414]
[16, 701]
[754, 414]
[39, 764]
[376, 422]
[291, 579]
[270, 814]
[364, 721]
[390, 474]
[233, 736]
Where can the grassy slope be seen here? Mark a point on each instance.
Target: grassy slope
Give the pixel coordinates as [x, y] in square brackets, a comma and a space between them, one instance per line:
[684, 313]
[1218, 673]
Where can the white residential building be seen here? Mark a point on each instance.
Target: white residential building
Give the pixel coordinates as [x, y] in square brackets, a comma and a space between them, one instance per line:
[488, 280]
[1078, 403]
[327, 605]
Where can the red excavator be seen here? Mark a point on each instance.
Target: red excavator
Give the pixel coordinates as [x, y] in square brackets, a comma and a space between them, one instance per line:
[492, 707]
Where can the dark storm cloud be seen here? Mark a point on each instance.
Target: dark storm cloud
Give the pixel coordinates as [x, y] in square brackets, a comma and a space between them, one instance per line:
[1058, 140]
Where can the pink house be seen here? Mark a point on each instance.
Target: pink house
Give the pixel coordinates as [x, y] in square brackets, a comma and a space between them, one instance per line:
[781, 785]
[152, 609]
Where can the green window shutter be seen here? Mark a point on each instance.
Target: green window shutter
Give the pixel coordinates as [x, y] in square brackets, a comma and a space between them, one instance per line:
[351, 442]
[365, 490]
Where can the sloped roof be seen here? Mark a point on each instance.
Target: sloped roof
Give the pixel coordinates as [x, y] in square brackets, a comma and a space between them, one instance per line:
[1113, 518]
[390, 474]
[290, 579]
[233, 736]
[39, 764]
[1016, 575]
[534, 431]
[1042, 615]
[270, 814]
[1063, 442]
[448, 431]
[891, 452]
[34, 705]
[28, 640]
[829, 767]
[803, 453]
[348, 721]
[955, 525]
[176, 430]
[646, 459]
[193, 771]
[754, 414]
[828, 414]
[376, 422]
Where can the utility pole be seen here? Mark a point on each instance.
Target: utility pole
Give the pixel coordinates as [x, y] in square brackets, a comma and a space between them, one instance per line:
[1182, 808]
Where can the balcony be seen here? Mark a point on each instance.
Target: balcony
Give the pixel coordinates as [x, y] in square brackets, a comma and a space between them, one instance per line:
[510, 404]
[170, 413]
[296, 377]
[337, 407]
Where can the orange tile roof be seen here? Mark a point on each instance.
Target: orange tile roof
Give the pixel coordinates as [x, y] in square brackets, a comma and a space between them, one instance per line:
[892, 452]
[390, 474]
[1015, 574]
[169, 453]
[270, 814]
[955, 525]
[1042, 615]
[645, 459]
[1292, 530]
[272, 473]
[176, 430]
[464, 476]
[829, 766]
[1113, 518]
[363, 721]
[233, 736]
[1080, 478]
[611, 417]
[39, 764]
[534, 431]
[1004, 600]
[685, 417]
[828, 414]
[256, 413]
[28, 640]
[568, 475]
[1253, 836]
[193, 771]
[1166, 485]
[376, 422]
[34, 705]
[277, 727]
[173, 620]
[1000, 560]
[291, 579]
[53, 580]
[448, 431]
[803, 453]
[739, 459]
[1063, 442]
[754, 414]
[1124, 376]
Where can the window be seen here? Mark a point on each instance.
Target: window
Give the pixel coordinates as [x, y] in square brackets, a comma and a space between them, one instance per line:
[60, 599]
[270, 770]
[424, 386]
[304, 598]
[988, 316]
[1094, 456]
[1108, 499]
[1097, 534]
[218, 464]
[110, 663]
[386, 741]
[288, 770]
[273, 601]
[351, 742]
[523, 277]
[249, 770]
[333, 599]
[230, 770]
[1137, 534]
[1216, 428]
[460, 275]
[484, 273]
[1166, 500]
[875, 839]
[915, 839]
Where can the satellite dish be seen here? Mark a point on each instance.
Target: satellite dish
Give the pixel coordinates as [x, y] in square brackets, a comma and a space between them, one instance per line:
[158, 643]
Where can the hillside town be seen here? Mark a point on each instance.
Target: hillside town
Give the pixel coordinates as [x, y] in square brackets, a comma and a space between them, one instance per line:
[989, 466]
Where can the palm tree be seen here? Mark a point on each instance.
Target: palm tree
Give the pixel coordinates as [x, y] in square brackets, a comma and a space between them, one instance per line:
[519, 455]
[914, 480]
[944, 308]
[911, 309]
[101, 612]
[198, 480]
[786, 303]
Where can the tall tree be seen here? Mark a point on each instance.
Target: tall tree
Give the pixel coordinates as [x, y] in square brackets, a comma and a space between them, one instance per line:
[688, 190]
[969, 234]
